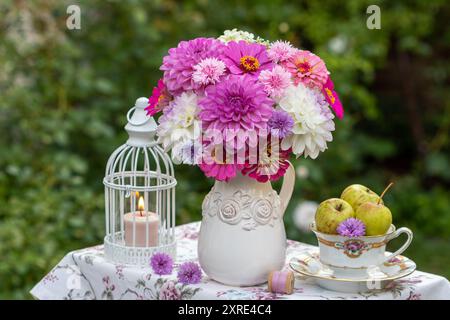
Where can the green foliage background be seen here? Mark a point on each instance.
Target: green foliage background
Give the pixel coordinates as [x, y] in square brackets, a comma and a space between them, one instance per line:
[64, 95]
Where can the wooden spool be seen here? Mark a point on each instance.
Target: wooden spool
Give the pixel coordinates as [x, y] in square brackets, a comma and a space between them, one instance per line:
[281, 282]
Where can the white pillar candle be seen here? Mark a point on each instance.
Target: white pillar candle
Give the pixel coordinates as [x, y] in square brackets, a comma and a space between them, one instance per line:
[144, 221]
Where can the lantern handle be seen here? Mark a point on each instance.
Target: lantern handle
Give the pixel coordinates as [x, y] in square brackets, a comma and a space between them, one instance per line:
[134, 123]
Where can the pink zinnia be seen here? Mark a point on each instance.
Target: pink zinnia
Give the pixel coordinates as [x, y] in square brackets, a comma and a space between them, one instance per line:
[332, 98]
[237, 103]
[275, 81]
[159, 99]
[249, 58]
[280, 51]
[307, 68]
[208, 71]
[178, 66]
[216, 168]
[219, 171]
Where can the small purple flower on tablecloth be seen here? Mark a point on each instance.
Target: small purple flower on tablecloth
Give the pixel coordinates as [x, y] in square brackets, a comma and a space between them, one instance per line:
[161, 263]
[189, 273]
[351, 227]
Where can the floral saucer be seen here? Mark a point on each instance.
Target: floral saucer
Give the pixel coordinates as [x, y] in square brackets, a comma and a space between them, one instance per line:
[348, 280]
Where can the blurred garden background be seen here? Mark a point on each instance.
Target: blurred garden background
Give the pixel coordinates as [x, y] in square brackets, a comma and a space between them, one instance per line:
[64, 95]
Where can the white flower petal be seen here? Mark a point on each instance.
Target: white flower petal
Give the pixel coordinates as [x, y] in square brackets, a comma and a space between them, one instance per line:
[181, 122]
[313, 121]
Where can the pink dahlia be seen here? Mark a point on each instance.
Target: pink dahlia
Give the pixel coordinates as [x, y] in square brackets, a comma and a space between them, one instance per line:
[235, 104]
[160, 98]
[208, 71]
[178, 66]
[275, 81]
[280, 51]
[307, 68]
[272, 163]
[244, 57]
[332, 98]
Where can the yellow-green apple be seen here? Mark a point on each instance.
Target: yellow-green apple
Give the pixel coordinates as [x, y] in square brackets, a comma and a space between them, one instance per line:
[376, 216]
[357, 194]
[331, 213]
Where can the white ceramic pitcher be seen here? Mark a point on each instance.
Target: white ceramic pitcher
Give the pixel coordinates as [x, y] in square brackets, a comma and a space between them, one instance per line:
[242, 236]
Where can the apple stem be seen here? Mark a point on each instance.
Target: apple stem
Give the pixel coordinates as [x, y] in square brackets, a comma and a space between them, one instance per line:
[384, 191]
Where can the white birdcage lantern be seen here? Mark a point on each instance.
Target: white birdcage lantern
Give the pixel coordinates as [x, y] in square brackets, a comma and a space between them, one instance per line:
[139, 194]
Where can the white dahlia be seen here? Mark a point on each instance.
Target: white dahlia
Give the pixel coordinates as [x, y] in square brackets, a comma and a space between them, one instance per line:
[180, 123]
[313, 121]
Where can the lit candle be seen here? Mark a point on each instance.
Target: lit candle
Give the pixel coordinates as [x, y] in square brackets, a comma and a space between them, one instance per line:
[142, 222]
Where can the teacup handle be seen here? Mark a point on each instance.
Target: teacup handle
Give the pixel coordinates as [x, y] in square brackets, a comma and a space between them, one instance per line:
[394, 235]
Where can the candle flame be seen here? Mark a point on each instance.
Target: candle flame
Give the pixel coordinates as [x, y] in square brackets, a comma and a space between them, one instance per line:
[141, 204]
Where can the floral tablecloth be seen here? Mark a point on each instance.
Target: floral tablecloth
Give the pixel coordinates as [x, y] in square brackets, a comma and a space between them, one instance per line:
[85, 274]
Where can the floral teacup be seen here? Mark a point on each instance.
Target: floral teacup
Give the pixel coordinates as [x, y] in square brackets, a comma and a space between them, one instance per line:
[360, 252]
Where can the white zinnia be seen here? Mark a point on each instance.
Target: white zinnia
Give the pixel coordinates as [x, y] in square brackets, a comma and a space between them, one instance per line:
[237, 35]
[180, 123]
[313, 121]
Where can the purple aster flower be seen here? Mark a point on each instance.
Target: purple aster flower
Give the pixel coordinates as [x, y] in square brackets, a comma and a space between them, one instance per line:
[178, 65]
[238, 103]
[351, 227]
[161, 263]
[189, 273]
[244, 57]
[280, 124]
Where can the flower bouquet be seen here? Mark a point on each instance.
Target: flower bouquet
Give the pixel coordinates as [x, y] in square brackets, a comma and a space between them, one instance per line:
[238, 107]
[243, 104]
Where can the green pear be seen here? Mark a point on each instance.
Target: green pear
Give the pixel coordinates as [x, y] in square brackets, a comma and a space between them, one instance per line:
[331, 213]
[357, 194]
[376, 217]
